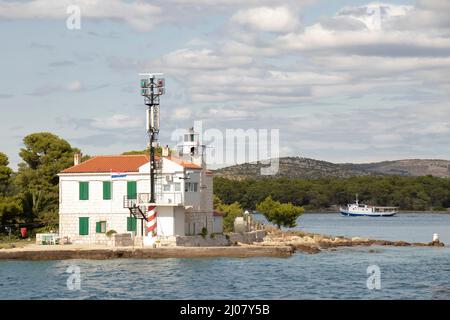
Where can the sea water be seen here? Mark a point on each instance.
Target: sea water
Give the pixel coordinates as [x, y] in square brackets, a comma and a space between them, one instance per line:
[404, 272]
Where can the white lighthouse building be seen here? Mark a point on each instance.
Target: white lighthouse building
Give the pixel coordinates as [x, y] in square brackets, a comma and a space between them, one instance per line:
[108, 193]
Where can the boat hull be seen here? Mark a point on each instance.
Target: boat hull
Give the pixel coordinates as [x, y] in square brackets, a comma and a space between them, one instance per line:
[363, 214]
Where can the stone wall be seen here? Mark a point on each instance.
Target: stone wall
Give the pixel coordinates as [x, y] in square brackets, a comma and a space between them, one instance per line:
[248, 237]
[69, 227]
[122, 240]
[220, 240]
[196, 220]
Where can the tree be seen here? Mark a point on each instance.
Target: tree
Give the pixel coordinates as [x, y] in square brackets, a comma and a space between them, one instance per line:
[5, 174]
[10, 205]
[10, 210]
[280, 214]
[230, 211]
[44, 156]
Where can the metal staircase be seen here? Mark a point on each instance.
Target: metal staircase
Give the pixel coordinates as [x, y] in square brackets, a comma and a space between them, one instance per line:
[137, 212]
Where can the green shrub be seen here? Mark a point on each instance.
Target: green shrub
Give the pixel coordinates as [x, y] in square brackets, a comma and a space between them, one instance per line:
[204, 232]
[109, 233]
[280, 214]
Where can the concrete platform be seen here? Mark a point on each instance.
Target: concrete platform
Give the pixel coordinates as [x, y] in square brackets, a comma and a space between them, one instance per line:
[62, 252]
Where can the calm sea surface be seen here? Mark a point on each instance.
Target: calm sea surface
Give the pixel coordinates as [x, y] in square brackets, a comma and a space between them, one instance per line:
[406, 273]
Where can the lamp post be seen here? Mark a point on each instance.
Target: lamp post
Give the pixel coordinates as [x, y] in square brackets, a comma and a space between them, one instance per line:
[151, 89]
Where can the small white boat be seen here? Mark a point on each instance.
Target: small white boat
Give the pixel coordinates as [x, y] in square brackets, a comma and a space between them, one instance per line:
[358, 209]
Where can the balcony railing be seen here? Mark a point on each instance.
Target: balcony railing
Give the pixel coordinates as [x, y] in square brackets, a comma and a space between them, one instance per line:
[175, 198]
[164, 198]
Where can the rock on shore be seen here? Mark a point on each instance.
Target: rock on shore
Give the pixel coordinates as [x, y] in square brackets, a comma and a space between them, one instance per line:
[314, 243]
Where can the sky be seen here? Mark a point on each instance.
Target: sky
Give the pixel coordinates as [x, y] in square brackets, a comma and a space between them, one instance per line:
[343, 81]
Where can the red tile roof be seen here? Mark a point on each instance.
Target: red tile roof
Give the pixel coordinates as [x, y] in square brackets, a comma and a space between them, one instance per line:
[122, 163]
[183, 163]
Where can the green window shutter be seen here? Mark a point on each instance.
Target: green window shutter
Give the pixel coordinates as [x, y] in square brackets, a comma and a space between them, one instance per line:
[83, 226]
[84, 190]
[100, 227]
[106, 190]
[131, 190]
[131, 223]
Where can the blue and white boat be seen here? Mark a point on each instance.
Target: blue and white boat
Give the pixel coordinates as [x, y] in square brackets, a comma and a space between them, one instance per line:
[358, 209]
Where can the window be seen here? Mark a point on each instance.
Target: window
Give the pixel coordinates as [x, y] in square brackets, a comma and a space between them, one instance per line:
[177, 186]
[100, 227]
[83, 226]
[84, 190]
[131, 190]
[106, 190]
[131, 223]
[191, 187]
[166, 187]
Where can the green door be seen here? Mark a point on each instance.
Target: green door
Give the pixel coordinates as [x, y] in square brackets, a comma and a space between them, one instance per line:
[83, 226]
[131, 190]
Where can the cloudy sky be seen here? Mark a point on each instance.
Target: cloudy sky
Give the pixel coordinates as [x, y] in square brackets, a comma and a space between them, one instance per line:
[344, 80]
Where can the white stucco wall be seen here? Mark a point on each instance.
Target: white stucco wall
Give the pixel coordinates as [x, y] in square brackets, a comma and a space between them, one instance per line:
[165, 221]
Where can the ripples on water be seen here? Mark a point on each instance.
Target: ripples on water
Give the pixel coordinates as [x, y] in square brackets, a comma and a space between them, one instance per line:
[406, 273]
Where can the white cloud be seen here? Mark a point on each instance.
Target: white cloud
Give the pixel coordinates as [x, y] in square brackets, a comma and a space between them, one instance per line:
[117, 121]
[203, 59]
[181, 113]
[74, 85]
[140, 15]
[277, 19]
[71, 86]
[367, 43]
[374, 15]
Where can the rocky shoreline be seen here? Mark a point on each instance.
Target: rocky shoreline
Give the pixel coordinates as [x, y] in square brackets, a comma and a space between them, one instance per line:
[276, 243]
[314, 243]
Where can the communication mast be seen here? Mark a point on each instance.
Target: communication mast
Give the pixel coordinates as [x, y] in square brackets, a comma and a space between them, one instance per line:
[151, 89]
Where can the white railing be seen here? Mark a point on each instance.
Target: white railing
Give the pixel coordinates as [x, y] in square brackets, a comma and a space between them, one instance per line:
[175, 198]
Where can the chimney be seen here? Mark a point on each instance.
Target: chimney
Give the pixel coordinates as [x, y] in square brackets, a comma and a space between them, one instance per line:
[165, 151]
[76, 159]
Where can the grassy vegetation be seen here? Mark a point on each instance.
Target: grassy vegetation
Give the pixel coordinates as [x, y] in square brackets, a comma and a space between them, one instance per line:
[13, 242]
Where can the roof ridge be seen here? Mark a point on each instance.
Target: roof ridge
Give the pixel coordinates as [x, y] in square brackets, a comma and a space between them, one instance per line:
[120, 155]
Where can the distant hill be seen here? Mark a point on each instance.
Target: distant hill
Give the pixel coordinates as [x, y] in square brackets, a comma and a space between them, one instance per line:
[297, 167]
